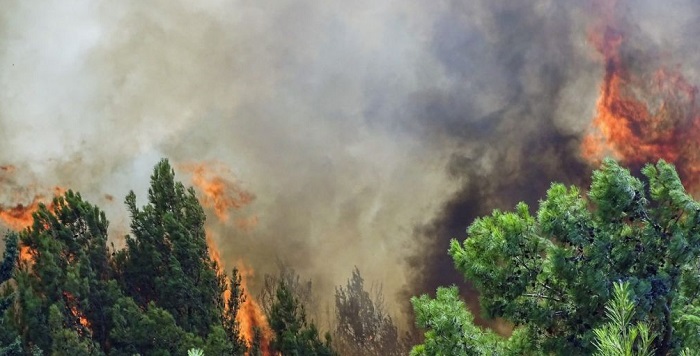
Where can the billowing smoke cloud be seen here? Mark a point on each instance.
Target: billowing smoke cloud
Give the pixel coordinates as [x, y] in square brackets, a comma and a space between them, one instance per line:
[370, 132]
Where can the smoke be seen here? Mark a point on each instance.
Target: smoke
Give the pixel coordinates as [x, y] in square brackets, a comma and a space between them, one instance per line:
[369, 132]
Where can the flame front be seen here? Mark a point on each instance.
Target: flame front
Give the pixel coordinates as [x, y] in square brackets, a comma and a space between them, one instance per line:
[251, 314]
[642, 115]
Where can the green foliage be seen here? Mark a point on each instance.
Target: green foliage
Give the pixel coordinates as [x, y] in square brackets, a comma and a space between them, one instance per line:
[292, 335]
[70, 271]
[619, 337]
[150, 332]
[450, 327]
[218, 344]
[12, 349]
[10, 343]
[169, 241]
[195, 352]
[66, 340]
[552, 274]
[9, 257]
[160, 296]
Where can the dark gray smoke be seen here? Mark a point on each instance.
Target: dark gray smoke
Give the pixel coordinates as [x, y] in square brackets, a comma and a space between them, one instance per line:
[370, 132]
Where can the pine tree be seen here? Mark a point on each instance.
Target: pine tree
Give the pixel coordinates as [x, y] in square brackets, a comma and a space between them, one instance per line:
[152, 331]
[10, 343]
[168, 240]
[552, 274]
[292, 334]
[70, 270]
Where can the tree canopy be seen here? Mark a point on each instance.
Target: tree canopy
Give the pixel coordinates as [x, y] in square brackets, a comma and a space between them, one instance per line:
[70, 294]
[551, 274]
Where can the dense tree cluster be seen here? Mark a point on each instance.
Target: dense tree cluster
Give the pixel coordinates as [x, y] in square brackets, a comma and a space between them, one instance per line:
[69, 293]
[552, 274]
[612, 272]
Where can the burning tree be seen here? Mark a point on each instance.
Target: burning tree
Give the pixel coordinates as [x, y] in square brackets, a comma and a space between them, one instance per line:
[551, 274]
[71, 294]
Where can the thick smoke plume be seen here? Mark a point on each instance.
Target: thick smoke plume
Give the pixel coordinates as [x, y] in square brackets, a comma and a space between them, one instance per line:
[362, 133]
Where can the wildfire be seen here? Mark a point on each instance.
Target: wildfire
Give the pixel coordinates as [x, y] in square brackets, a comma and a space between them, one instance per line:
[219, 188]
[642, 115]
[250, 314]
[19, 217]
[76, 313]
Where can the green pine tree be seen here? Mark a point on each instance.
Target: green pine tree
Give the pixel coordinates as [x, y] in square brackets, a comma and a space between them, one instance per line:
[292, 334]
[552, 274]
[168, 240]
[70, 270]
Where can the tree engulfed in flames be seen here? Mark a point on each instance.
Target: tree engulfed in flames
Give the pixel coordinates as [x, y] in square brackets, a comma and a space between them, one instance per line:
[219, 192]
[642, 115]
[250, 314]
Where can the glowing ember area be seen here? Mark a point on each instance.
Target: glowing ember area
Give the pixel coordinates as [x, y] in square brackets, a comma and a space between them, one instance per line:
[643, 115]
[26, 254]
[19, 216]
[250, 314]
[76, 313]
[219, 188]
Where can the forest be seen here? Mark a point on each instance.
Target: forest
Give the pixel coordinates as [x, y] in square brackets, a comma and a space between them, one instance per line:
[611, 271]
[66, 290]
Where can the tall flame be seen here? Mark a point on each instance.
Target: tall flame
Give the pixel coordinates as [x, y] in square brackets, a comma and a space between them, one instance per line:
[219, 189]
[250, 314]
[642, 115]
[220, 192]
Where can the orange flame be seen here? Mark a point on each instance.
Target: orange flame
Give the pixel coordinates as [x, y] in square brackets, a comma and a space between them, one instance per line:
[250, 314]
[642, 115]
[76, 313]
[220, 190]
[19, 216]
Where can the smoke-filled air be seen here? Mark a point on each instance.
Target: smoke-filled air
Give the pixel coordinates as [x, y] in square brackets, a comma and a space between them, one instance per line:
[325, 136]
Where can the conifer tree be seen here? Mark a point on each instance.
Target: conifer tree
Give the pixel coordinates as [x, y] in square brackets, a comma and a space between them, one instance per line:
[552, 274]
[10, 343]
[167, 260]
[69, 271]
[292, 334]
